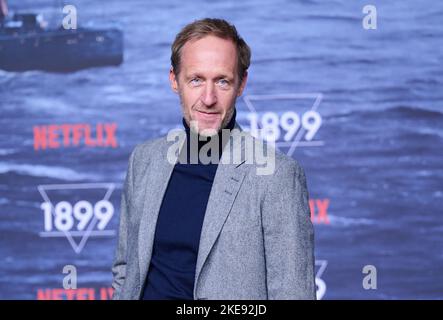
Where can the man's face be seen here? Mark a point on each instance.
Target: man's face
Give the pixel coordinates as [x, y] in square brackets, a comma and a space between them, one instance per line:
[208, 83]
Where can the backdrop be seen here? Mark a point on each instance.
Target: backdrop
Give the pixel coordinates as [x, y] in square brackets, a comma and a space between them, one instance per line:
[353, 92]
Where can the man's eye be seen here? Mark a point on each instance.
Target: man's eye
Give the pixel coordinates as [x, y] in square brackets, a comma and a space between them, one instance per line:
[195, 81]
[223, 82]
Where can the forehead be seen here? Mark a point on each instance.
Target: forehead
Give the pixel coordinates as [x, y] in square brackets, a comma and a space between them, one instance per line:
[209, 54]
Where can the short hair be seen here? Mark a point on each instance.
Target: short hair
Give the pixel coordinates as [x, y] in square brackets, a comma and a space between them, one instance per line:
[216, 27]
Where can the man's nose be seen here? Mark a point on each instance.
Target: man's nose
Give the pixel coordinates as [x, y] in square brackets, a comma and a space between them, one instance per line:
[209, 97]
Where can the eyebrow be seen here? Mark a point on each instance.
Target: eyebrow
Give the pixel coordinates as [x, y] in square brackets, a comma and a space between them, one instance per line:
[198, 75]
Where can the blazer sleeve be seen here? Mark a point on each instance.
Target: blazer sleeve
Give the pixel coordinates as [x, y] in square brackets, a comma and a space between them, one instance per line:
[120, 258]
[288, 235]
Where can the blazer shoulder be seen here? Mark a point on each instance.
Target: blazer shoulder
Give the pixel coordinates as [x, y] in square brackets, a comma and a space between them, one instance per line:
[281, 159]
[285, 165]
[285, 161]
[144, 150]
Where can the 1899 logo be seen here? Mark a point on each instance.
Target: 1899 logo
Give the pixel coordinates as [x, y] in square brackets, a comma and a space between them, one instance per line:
[64, 216]
[77, 211]
[286, 120]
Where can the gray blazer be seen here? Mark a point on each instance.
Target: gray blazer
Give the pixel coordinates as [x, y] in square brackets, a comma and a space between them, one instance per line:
[257, 239]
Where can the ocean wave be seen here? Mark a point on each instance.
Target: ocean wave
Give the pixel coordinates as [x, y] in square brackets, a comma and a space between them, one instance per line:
[415, 112]
[288, 58]
[50, 105]
[348, 222]
[56, 172]
[5, 152]
[408, 112]
[331, 17]
[5, 78]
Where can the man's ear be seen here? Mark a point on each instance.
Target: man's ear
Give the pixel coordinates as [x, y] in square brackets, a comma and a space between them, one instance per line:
[242, 84]
[173, 80]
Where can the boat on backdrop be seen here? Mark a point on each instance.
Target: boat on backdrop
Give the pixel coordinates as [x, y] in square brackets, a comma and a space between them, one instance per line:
[26, 43]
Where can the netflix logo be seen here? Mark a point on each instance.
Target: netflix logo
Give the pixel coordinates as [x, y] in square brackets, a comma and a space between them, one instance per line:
[319, 211]
[56, 136]
[75, 294]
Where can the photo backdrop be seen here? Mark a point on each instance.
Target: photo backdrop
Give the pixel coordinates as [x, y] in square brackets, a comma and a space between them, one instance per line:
[354, 93]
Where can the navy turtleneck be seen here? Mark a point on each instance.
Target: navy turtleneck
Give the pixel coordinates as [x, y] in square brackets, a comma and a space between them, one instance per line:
[177, 236]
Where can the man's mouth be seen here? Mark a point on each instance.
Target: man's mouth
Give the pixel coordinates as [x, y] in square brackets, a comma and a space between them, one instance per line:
[208, 115]
[206, 112]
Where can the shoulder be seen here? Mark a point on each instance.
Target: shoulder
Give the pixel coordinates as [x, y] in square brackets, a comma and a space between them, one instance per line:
[143, 151]
[145, 148]
[282, 164]
[285, 163]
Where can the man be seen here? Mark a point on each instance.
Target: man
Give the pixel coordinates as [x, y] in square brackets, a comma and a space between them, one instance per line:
[218, 230]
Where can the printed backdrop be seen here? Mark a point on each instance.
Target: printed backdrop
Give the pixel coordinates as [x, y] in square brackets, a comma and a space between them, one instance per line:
[360, 109]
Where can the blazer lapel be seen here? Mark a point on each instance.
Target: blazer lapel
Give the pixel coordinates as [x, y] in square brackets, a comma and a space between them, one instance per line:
[225, 187]
[155, 188]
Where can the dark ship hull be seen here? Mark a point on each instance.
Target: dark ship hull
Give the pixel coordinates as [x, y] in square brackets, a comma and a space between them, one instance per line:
[60, 50]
